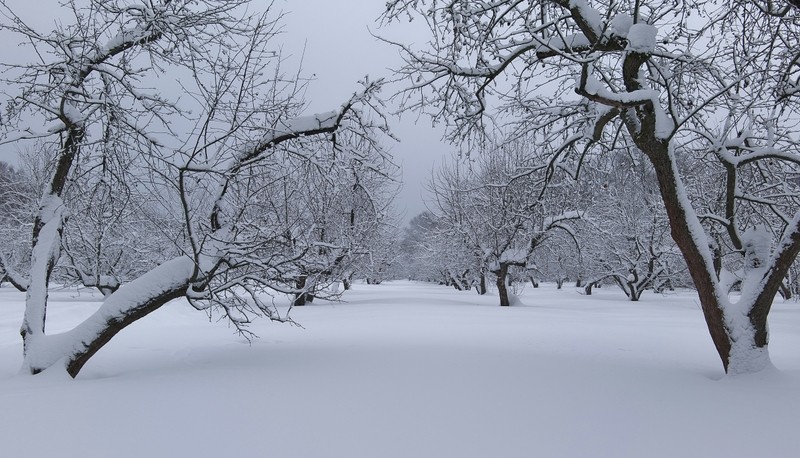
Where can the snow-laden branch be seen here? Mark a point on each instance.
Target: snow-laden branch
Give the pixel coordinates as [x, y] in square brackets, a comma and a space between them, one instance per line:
[591, 88]
[298, 128]
[72, 349]
[15, 278]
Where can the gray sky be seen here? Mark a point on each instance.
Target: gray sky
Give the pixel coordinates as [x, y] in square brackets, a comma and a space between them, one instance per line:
[339, 51]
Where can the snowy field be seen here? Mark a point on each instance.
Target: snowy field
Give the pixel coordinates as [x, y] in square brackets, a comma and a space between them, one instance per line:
[408, 370]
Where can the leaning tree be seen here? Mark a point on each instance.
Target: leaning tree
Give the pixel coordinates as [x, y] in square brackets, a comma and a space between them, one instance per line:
[189, 99]
[687, 82]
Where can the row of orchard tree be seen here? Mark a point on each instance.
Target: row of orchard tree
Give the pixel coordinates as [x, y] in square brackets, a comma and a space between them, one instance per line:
[496, 218]
[166, 149]
[327, 226]
[703, 95]
[171, 151]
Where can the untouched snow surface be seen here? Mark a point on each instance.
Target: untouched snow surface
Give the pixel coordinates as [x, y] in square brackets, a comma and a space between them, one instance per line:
[408, 370]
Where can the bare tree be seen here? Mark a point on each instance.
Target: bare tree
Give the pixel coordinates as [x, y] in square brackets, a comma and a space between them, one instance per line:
[16, 197]
[494, 207]
[629, 231]
[331, 215]
[203, 157]
[719, 89]
[430, 254]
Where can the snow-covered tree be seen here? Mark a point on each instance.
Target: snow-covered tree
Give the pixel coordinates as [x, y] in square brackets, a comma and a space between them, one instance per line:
[426, 251]
[190, 98]
[687, 81]
[627, 238]
[114, 233]
[493, 206]
[16, 199]
[457, 231]
[331, 219]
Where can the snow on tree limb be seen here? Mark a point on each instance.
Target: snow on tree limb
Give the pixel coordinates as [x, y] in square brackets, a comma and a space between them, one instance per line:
[660, 91]
[131, 302]
[207, 173]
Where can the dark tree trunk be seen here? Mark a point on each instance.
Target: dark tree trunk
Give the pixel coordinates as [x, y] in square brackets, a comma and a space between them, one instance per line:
[658, 153]
[588, 288]
[147, 293]
[301, 297]
[116, 324]
[534, 282]
[628, 287]
[635, 288]
[502, 289]
[635, 293]
[481, 286]
[465, 283]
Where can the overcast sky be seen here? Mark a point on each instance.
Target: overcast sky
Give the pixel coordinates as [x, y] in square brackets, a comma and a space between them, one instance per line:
[339, 51]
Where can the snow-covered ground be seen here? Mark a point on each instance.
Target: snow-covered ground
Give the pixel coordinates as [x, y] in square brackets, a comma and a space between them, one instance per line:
[408, 370]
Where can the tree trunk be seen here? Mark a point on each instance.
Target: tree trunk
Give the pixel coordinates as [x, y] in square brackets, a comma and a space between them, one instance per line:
[683, 223]
[588, 288]
[128, 304]
[300, 297]
[634, 293]
[741, 345]
[465, 283]
[45, 252]
[502, 287]
[310, 289]
[106, 284]
[635, 288]
[481, 286]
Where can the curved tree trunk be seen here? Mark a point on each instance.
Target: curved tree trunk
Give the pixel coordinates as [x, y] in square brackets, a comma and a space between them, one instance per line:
[588, 288]
[128, 304]
[683, 225]
[740, 335]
